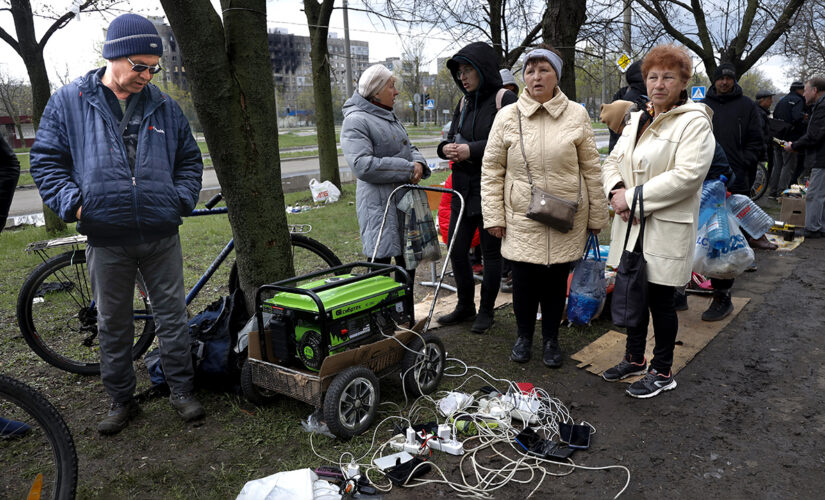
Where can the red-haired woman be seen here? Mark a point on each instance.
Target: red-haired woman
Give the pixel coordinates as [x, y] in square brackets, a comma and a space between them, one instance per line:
[667, 148]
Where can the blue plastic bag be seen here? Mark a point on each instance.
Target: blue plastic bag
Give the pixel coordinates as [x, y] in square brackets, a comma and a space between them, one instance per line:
[587, 289]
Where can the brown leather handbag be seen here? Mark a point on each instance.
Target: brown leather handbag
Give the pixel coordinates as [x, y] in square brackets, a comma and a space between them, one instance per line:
[547, 208]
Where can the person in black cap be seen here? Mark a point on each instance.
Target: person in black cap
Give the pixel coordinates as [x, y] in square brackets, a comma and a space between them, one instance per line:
[764, 101]
[116, 155]
[738, 129]
[787, 164]
[635, 92]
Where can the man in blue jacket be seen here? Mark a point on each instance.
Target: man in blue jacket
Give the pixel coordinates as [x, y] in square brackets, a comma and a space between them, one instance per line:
[116, 155]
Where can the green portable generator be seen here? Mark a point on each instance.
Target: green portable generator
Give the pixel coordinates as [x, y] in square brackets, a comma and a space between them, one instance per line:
[334, 312]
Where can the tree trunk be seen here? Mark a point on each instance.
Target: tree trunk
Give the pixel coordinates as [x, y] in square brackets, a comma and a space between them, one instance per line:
[32, 54]
[231, 83]
[561, 25]
[318, 15]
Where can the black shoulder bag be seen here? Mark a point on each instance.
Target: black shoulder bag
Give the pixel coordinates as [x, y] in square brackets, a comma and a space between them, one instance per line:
[629, 304]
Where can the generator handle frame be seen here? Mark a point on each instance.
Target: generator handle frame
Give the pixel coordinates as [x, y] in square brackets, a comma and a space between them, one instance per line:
[279, 286]
[449, 245]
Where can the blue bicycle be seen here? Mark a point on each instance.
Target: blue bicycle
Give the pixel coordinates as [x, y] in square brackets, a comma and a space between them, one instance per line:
[56, 312]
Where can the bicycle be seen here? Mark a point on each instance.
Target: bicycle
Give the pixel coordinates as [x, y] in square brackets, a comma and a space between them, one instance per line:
[38, 458]
[56, 312]
[760, 181]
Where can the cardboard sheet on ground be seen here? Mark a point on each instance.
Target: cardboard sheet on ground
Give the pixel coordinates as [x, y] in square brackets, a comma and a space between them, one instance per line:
[783, 245]
[694, 335]
[447, 301]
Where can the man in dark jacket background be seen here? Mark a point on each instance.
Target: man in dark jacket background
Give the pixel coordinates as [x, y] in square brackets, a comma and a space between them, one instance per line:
[787, 164]
[9, 173]
[476, 73]
[813, 143]
[764, 101]
[116, 155]
[635, 91]
[738, 129]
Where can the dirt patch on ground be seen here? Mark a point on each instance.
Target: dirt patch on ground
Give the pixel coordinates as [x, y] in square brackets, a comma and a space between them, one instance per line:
[744, 421]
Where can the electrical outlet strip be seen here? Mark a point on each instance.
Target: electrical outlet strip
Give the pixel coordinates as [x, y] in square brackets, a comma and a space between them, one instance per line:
[524, 408]
[388, 461]
[411, 445]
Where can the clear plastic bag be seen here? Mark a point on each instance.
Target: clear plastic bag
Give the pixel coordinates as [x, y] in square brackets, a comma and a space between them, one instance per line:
[727, 263]
[587, 288]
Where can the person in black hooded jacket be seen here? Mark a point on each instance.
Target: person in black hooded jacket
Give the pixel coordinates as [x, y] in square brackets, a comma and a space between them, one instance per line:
[475, 71]
[9, 173]
[635, 92]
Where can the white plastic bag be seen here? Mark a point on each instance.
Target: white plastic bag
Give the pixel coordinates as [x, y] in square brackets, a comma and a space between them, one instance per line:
[726, 263]
[324, 191]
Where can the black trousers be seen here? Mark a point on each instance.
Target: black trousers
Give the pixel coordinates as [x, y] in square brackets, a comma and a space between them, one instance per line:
[665, 328]
[534, 284]
[463, 270]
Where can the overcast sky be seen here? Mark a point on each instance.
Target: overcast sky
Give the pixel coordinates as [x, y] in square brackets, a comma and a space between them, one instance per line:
[77, 46]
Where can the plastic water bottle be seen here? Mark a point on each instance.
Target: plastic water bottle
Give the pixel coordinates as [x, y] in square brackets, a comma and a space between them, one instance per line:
[713, 211]
[751, 217]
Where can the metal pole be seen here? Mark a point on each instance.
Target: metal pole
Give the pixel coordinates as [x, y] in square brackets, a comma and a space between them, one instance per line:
[348, 57]
[626, 33]
[604, 65]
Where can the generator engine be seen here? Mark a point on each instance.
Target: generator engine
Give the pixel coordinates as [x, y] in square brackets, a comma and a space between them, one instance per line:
[356, 309]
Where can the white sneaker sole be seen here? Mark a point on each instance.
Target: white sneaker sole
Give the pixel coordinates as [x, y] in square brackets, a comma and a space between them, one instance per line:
[668, 387]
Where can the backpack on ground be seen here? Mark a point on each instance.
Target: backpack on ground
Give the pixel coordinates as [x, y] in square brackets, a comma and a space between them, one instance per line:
[213, 334]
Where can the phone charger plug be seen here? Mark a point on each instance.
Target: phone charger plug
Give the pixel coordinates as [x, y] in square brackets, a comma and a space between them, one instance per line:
[444, 432]
[353, 470]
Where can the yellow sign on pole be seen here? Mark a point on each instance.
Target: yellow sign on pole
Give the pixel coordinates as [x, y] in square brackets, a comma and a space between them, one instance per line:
[623, 62]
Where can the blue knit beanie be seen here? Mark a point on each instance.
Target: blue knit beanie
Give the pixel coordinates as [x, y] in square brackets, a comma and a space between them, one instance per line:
[129, 35]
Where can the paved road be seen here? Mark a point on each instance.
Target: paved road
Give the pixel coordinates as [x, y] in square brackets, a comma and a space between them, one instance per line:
[294, 172]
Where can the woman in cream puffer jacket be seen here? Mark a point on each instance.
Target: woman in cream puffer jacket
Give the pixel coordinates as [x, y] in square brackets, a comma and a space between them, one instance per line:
[563, 160]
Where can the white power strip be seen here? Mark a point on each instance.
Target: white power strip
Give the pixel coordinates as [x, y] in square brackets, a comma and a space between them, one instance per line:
[434, 442]
[524, 407]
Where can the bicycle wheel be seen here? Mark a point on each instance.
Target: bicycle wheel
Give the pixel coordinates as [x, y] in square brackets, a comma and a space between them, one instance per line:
[307, 255]
[58, 319]
[760, 182]
[36, 446]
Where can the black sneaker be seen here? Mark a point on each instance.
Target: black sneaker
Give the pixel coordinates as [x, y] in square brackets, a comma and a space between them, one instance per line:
[483, 321]
[187, 406]
[552, 354]
[460, 314]
[624, 369]
[811, 234]
[720, 307]
[521, 350]
[652, 384]
[118, 417]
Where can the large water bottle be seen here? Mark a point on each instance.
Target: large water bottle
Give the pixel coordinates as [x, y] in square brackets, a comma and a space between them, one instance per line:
[751, 218]
[712, 210]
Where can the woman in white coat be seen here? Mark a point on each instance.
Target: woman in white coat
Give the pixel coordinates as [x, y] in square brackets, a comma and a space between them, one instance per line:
[556, 138]
[667, 148]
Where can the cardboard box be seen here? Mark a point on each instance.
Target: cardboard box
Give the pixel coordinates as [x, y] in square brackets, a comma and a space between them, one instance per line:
[793, 211]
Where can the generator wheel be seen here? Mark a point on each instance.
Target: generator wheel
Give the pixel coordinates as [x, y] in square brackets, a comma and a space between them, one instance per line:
[254, 394]
[351, 402]
[423, 365]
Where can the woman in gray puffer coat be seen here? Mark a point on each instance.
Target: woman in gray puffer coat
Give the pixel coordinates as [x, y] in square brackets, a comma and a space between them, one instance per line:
[379, 152]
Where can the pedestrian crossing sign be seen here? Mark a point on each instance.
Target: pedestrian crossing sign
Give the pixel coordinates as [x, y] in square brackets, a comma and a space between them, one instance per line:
[697, 93]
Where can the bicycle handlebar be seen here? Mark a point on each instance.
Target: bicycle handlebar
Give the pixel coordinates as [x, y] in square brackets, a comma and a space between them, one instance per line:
[214, 201]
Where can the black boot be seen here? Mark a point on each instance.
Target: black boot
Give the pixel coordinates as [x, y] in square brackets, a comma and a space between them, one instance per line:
[521, 349]
[720, 308]
[552, 353]
[461, 313]
[483, 321]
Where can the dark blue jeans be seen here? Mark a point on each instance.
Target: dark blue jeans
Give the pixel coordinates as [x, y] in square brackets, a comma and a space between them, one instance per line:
[463, 270]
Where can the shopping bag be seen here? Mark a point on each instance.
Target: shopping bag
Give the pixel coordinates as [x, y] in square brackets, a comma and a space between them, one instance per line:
[420, 236]
[727, 263]
[629, 303]
[324, 191]
[587, 288]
